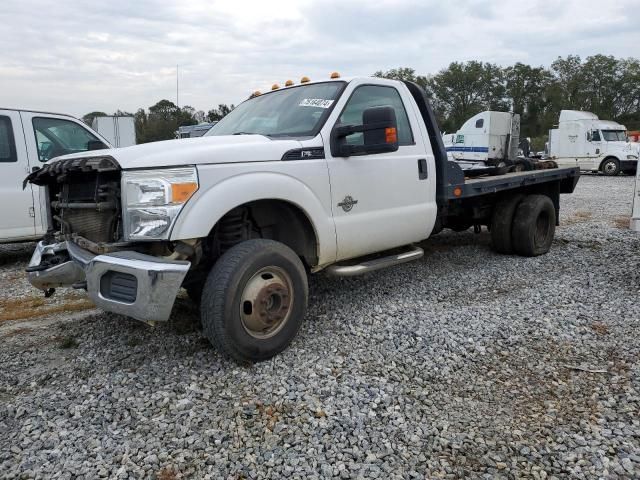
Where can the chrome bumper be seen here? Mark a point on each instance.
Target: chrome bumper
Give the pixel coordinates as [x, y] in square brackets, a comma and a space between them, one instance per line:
[128, 283]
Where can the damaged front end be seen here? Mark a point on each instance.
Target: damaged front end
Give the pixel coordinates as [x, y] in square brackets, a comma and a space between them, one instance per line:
[85, 246]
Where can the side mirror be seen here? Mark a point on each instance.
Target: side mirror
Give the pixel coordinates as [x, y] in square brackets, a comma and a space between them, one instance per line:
[95, 145]
[379, 131]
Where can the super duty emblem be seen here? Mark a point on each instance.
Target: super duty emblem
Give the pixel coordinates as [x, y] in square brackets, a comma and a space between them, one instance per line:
[348, 203]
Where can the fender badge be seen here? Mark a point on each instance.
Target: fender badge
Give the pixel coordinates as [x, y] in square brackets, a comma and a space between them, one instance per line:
[348, 203]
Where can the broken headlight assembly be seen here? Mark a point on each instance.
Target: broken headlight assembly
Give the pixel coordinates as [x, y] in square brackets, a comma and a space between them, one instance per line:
[152, 200]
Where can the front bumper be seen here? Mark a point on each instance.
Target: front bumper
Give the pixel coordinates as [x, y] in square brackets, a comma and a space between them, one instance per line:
[129, 283]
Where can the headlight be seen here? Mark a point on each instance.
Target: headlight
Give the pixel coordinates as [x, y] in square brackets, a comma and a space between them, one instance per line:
[152, 199]
[632, 157]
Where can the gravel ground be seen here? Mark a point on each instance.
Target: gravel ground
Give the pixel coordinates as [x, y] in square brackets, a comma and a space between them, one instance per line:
[464, 364]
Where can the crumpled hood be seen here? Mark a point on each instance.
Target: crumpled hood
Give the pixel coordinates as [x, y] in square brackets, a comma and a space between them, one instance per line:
[194, 151]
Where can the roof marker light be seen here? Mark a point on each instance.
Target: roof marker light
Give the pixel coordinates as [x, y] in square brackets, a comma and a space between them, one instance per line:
[305, 80]
[275, 86]
[257, 93]
[335, 75]
[288, 83]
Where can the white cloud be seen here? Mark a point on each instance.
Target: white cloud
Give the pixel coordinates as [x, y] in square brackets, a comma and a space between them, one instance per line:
[76, 57]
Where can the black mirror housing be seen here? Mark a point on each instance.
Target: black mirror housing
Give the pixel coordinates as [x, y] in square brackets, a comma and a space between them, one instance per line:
[380, 134]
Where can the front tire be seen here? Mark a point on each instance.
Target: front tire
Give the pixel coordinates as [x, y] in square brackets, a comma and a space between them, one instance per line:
[610, 167]
[254, 300]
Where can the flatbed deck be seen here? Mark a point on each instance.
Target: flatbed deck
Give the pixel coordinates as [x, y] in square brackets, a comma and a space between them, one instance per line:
[473, 187]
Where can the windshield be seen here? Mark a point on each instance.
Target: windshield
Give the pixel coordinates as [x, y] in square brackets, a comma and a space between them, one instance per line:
[614, 135]
[290, 112]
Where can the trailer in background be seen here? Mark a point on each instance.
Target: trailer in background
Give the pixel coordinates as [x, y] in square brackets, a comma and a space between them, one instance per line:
[119, 130]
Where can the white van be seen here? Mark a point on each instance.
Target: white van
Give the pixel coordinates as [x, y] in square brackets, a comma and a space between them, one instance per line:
[27, 140]
[583, 140]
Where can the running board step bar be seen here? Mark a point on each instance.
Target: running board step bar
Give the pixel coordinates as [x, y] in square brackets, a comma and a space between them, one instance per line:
[413, 253]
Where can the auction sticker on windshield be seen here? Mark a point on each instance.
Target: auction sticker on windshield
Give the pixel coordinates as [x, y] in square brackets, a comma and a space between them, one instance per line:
[315, 102]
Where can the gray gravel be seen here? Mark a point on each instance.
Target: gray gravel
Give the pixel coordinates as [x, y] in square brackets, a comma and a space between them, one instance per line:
[464, 364]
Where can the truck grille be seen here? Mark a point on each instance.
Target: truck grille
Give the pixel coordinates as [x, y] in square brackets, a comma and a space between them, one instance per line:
[85, 197]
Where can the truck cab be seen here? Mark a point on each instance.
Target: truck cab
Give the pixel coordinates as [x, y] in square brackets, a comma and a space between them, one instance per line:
[28, 140]
[593, 145]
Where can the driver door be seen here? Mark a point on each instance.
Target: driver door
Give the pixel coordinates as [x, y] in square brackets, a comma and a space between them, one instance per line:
[383, 200]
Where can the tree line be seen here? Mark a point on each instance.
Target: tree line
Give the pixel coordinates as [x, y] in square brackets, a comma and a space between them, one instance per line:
[604, 85]
[162, 120]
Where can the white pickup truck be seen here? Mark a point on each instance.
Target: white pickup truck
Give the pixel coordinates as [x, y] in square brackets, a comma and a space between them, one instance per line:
[344, 176]
[27, 140]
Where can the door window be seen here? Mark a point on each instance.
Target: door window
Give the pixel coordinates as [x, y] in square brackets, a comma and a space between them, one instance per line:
[368, 96]
[595, 136]
[7, 141]
[56, 137]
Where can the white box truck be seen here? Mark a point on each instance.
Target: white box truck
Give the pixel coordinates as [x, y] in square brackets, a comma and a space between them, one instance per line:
[583, 140]
[119, 130]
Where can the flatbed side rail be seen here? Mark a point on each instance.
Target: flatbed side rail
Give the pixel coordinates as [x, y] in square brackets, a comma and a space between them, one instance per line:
[568, 178]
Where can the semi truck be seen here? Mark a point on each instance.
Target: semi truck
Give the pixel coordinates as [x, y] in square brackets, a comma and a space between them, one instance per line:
[29, 139]
[583, 140]
[342, 176]
[488, 139]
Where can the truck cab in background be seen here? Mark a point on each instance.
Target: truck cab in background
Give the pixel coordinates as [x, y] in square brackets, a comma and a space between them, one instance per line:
[27, 141]
[583, 140]
[488, 139]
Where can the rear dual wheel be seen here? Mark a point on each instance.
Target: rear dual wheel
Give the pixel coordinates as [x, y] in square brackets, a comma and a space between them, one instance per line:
[523, 224]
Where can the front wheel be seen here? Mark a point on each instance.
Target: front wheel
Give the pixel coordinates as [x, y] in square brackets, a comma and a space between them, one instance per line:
[610, 167]
[254, 300]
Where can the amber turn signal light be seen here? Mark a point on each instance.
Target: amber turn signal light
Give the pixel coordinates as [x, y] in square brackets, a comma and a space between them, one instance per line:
[181, 192]
[391, 135]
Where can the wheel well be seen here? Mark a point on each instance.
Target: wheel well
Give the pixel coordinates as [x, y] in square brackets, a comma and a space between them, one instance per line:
[608, 158]
[277, 220]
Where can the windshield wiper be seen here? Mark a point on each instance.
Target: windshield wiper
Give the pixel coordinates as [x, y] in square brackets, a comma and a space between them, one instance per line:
[244, 133]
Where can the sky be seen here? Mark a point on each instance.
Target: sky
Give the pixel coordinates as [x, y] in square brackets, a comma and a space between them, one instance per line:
[75, 57]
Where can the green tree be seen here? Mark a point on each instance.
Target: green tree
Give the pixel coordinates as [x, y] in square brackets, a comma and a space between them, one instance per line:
[219, 113]
[404, 74]
[526, 90]
[464, 89]
[89, 117]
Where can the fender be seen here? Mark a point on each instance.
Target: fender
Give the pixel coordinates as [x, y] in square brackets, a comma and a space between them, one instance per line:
[213, 200]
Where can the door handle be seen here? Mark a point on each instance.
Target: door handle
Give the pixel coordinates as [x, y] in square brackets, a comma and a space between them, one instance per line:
[422, 169]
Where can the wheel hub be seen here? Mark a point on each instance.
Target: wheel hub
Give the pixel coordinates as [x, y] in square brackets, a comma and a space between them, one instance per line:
[265, 305]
